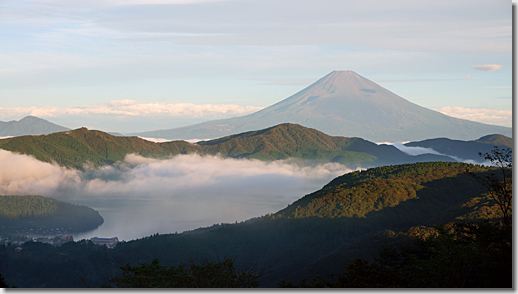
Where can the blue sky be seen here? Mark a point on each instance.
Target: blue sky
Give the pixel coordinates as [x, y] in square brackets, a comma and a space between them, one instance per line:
[135, 65]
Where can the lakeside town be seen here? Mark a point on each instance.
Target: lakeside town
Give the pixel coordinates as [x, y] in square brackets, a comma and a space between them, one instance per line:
[57, 240]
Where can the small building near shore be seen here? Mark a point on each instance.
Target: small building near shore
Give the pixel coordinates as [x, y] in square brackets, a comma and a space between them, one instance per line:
[109, 242]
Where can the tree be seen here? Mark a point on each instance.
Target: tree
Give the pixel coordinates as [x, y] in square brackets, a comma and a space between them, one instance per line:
[207, 275]
[499, 184]
[3, 284]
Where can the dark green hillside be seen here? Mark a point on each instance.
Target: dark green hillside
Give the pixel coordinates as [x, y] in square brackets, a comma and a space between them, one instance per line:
[23, 213]
[465, 149]
[77, 147]
[360, 193]
[291, 140]
[361, 205]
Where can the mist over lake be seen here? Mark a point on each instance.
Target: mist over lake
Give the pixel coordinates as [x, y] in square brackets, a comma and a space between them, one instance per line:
[142, 196]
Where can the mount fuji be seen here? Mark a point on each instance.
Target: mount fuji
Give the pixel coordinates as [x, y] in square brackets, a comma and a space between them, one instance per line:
[344, 103]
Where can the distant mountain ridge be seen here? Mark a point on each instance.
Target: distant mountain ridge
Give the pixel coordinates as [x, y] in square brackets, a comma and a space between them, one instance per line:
[29, 125]
[465, 149]
[344, 103]
[75, 148]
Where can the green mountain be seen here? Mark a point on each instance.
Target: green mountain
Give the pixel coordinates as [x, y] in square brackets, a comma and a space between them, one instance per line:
[41, 215]
[75, 148]
[29, 125]
[291, 243]
[465, 150]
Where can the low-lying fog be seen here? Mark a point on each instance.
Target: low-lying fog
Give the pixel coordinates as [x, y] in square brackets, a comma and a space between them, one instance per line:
[143, 196]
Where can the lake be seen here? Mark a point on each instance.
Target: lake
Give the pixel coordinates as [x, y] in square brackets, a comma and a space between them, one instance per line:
[134, 217]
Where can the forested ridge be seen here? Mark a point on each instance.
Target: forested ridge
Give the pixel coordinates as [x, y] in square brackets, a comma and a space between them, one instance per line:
[358, 193]
[291, 247]
[78, 147]
[38, 212]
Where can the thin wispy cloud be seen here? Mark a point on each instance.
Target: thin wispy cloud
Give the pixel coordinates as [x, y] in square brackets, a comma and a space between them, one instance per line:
[488, 67]
[420, 80]
[133, 108]
[488, 116]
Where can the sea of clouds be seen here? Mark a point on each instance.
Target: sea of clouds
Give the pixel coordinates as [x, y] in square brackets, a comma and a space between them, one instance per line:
[142, 196]
[138, 176]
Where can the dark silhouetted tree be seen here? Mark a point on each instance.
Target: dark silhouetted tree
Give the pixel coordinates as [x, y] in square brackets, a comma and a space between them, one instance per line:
[499, 184]
[207, 275]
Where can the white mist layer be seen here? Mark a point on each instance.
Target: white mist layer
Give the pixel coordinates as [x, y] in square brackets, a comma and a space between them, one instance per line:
[155, 140]
[142, 196]
[415, 150]
[422, 150]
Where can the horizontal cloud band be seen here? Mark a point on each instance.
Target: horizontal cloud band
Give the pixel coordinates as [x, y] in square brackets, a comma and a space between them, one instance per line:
[134, 108]
[137, 176]
[488, 116]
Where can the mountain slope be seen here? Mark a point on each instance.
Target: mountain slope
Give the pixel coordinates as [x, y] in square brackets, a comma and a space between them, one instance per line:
[465, 150]
[75, 148]
[344, 103]
[367, 193]
[29, 125]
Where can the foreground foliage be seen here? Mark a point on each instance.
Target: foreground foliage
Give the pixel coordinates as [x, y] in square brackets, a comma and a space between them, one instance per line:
[457, 255]
[221, 274]
[499, 183]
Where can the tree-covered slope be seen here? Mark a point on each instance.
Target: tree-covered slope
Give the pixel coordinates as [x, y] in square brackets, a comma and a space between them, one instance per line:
[38, 213]
[77, 147]
[465, 150]
[359, 193]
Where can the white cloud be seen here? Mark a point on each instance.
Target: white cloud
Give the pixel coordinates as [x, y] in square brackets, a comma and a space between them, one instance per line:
[131, 108]
[488, 67]
[162, 140]
[145, 175]
[156, 140]
[489, 116]
[137, 175]
[415, 150]
[24, 175]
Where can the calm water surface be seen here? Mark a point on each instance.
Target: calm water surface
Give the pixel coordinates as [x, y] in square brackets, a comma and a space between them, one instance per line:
[133, 217]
